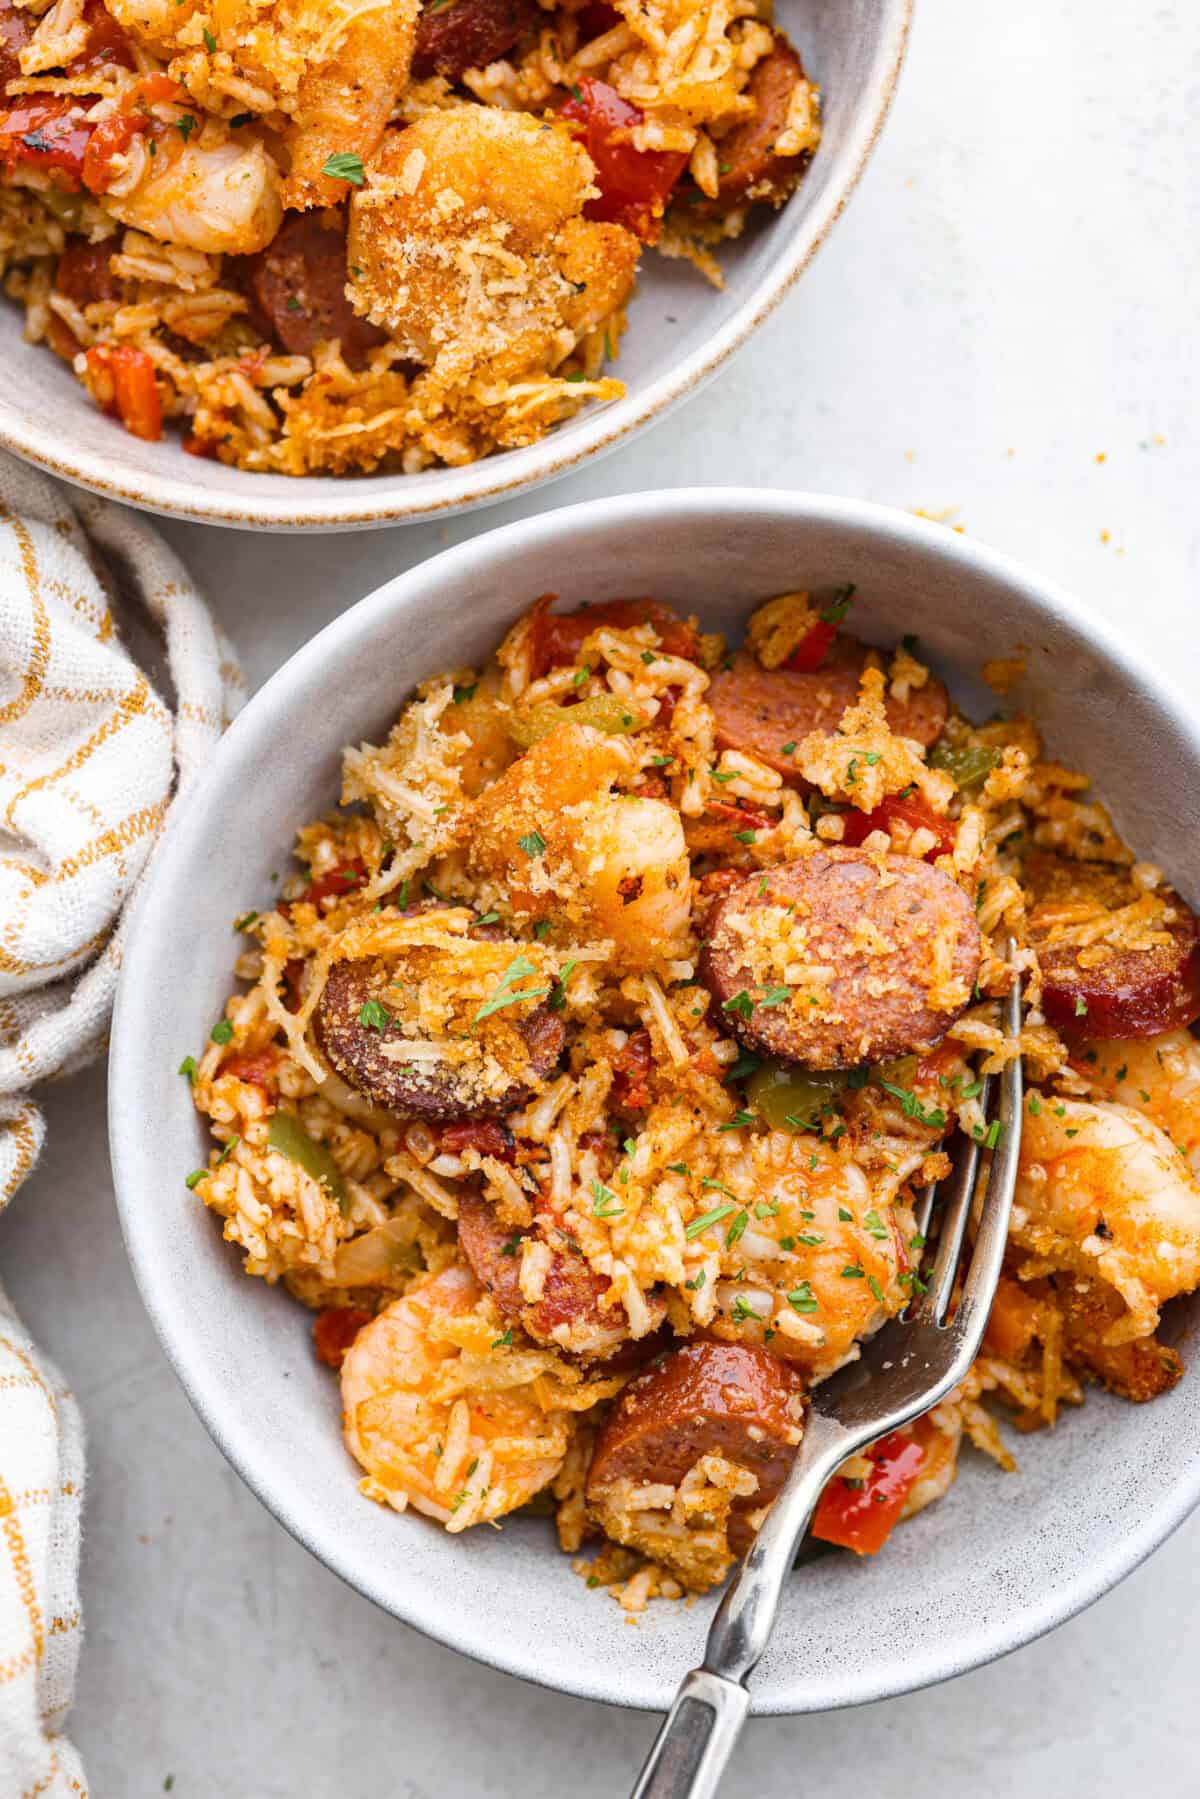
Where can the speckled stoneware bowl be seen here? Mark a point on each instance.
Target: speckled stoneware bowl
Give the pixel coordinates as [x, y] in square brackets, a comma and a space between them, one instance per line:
[1003, 1557]
[680, 332]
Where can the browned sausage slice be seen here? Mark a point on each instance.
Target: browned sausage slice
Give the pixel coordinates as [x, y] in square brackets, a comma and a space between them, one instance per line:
[298, 284]
[372, 1058]
[568, 1315]
[1097, 986]
[468, 34]
[725, 1399]
[889, 948]
[762, 711]
[750, 168]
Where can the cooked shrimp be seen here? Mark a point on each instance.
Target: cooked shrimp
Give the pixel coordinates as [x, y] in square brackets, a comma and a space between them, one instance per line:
[346, 98]
[471, 246]
[212, 194]
[817, 1261]
[1157, 1076]
[440, 1415]
[610, 866]
[1102, 1190]
[332, 68]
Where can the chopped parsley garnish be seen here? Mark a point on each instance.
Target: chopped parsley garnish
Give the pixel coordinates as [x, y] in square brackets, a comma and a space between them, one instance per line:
[706, 1221]
[911, 1106]
[740, 1003]
[737, 1121]
[788, 749]
[871, 758]
[222, 1031]
[876, 1289]
[240, 118]
[742, 1309]
[245, 921]
[510, 1248]
[463, 694]
[533, 843]
[694, 1286]
[194, 1178]
[835, 612]
[504, 1342]
[993, 1134]
[210, 42]
[810, 1239]
[845, 1216]
[737, 1229]
[679, 1168]
[1122, 1071]
[541, 928]
[745, 1064]
[604, 1202]
[661, 761]
[517, 969]
[767, 1208]
[1035, 1105]
[787, 1244]
[344, 165]
[374, 1015]
[724, 776]
[852, 1272]
[559, 997]
[717, 1186]
[745, 836]
[188, 1067]
[488, 918]
[875, 1226]
[801, 1298]
[1080, 1007]
[185, 126]
[776, 996]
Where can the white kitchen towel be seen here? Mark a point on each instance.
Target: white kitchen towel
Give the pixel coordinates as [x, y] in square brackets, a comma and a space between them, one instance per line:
[114, 687]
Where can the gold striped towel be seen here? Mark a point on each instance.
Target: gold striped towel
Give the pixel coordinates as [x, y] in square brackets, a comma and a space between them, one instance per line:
[98, 621]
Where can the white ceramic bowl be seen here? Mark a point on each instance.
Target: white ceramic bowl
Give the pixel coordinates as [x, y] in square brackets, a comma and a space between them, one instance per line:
[1003, 1557]
[681, 331]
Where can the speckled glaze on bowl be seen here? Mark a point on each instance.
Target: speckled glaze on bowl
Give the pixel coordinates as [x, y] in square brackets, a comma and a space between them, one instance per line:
[680, 332]
[1002, 1558]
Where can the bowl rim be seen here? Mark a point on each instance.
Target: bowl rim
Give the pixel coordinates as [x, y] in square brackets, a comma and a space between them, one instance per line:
[376, 501]
[926, 1665]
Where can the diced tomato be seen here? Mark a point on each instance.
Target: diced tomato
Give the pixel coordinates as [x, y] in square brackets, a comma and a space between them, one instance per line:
[340, 880]
[46, 131]
[651, 787]
[860, 1516]
[107, 42]
[857, 826]
[482, 1134]
[152, 90]
[111, 138]
[257, 1065]
[335, 1330]
[810, 653]
[557, 636]
[635, 185]
[633, 1063]
[123, 382]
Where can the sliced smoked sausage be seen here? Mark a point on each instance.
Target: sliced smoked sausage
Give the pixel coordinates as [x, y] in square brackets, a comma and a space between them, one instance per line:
[456, 35]
[373, 1058]
[1095, 985]
[298, 284]
[567, 1314]
[750, 168]
[889, 947]
[763, 711]
[725, 1399]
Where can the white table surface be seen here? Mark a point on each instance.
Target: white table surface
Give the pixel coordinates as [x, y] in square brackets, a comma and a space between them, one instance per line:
[1002, 326]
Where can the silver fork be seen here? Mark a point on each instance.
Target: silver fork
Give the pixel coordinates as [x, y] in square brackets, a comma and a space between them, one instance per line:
[904, 1370]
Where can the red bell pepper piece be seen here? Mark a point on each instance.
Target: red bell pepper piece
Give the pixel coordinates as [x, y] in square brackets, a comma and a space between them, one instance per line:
[810, 653]
[857, 826]
[635, 185]
[124, 383]
[860, 1515]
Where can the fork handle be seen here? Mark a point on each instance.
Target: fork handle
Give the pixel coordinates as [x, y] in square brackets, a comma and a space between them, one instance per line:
[692, 1749]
